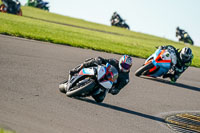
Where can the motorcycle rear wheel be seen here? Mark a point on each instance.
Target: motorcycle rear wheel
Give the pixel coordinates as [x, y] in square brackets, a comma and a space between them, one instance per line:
[78, 90]
[144, 68]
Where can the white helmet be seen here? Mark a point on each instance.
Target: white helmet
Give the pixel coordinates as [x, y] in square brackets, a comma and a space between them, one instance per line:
[125, 63]
[186, 54]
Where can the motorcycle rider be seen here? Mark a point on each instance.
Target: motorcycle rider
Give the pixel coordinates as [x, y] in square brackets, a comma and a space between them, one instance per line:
[184, 60]
[12, 6]
[116, 16]
[123, 66]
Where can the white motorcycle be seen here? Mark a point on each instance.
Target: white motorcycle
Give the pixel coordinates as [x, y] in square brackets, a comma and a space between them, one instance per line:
[90, 82]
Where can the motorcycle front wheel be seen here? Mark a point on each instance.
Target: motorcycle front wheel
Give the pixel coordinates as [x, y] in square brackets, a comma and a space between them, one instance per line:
[190, 41]
[144, 68]
[81, 89]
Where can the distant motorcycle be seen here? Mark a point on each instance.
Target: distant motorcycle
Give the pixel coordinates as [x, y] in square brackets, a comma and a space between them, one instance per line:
[185, 37]
[118, 23]
[158, 63]
[90, 82]
[13, 7]
[38, 4]
[43, 5]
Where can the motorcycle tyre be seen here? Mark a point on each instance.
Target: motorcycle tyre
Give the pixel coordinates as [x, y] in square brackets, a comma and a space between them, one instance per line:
[99, 98]
[126, 27]
[144, 68]
[78, 91]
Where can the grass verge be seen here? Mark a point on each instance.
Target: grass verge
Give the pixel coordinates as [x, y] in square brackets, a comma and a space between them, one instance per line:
[124, 42]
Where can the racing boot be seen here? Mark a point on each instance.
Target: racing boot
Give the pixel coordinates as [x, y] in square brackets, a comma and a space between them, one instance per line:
[172, 77]
[99, 97]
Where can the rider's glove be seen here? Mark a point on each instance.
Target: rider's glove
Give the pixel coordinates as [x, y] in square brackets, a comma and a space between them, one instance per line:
[76, 70]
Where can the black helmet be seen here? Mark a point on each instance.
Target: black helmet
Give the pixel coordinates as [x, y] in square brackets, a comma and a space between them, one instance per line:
[177, 28]
[186, 54]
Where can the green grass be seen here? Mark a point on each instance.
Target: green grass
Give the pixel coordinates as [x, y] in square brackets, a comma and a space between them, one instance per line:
[125, 42]
[5, 131]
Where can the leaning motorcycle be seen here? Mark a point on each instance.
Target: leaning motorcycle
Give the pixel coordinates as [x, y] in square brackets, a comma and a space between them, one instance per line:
[15, 7]
[116, 22]
[38, 4]
[158, 64]
[90, 82]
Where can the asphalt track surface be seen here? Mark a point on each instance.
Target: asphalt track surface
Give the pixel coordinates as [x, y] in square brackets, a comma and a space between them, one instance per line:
[30, 102]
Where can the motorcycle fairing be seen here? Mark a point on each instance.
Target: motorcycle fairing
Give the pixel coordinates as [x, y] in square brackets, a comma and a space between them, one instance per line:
[83, 72]
[73, 80]
[87, 71]
[106, 84]
[162, 63]
[102, 71]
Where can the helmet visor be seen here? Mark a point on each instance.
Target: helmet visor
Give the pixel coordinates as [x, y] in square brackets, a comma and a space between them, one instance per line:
[185, 57]
[125, 66]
